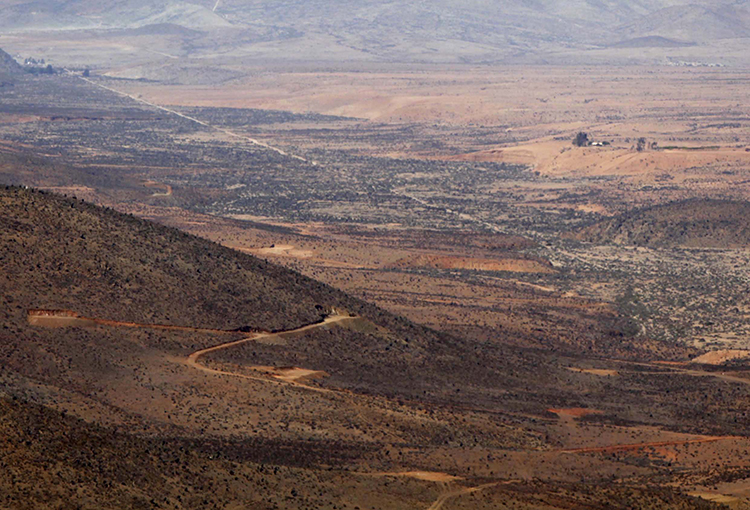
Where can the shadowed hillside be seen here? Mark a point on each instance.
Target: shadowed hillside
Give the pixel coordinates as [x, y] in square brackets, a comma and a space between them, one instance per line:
[99, 467]
[687, 224]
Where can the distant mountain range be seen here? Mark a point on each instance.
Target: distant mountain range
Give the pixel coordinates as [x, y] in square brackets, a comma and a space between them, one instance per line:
[400, 30]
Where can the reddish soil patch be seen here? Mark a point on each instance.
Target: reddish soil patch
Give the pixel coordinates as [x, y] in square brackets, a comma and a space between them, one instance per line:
[574, 412]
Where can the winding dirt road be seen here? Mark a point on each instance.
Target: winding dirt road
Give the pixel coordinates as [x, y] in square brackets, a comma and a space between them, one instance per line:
[192, 360]
[717, 375]
[68, 318]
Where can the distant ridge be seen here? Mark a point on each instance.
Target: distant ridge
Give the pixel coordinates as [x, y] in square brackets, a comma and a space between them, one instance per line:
[8, 64]
[401, 30]
[652, 41]
[692, 22]
[700, 223]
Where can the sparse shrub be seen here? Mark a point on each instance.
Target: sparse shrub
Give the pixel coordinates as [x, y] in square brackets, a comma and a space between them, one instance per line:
[581, 139]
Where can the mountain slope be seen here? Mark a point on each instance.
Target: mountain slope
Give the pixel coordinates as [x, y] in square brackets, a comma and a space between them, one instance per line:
[53, 460]
[130, 270]
[194, 428]
[62, 254]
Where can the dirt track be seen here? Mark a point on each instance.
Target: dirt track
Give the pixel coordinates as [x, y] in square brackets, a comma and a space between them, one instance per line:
[640, 446]
[166, 187]
[192, 360]
[197, 121]
[68, 318]
[717, 375]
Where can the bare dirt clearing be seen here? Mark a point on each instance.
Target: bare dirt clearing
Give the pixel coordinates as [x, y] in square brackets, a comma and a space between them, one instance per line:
[282, 250]
[714, 497]
[294, 374]
[558, 158]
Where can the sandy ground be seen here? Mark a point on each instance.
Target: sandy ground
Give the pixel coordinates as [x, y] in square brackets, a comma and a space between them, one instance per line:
[282, 250]
[721, 356]
[510, 96]
[560, 159]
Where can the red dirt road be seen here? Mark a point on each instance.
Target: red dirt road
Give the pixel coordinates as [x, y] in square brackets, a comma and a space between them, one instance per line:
[640, 446]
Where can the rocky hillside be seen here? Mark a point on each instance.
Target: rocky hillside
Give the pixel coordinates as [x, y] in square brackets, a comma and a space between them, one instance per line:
[687, 224]
[61, 253]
